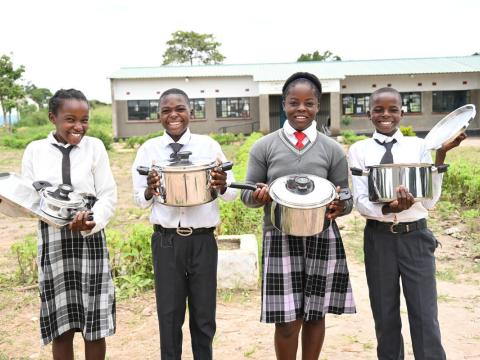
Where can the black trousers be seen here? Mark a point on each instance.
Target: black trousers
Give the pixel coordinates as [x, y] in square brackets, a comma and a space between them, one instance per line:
[185, 267]
[409, 256]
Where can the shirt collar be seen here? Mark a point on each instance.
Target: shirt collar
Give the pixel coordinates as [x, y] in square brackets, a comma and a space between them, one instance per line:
[384, 138]
[311, 131]
[185, 139]
[51, 139]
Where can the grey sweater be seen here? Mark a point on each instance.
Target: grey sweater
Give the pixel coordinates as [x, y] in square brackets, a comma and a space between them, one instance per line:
[274, 156]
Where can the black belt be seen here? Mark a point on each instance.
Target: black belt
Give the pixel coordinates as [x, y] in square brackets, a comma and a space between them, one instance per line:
[183, 231]
[398, 228]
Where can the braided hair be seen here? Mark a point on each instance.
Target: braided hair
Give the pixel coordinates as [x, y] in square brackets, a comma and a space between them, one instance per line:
[57, 100]
[174, 91]
[383, 91]
[302, 77]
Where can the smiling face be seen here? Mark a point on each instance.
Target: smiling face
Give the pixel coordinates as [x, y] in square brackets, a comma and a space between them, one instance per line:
[301, 105]
[386, 112]
[71, 121]
[175, 115]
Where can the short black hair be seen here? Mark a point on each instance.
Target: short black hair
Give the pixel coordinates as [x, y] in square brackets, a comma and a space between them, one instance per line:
[57, 100]
[383, 91]
[302, 77]
[174, 91]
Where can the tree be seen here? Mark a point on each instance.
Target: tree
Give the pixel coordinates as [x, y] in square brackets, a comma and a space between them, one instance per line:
[39, 95]
[10, 91]
[316, 56]
[189, 46]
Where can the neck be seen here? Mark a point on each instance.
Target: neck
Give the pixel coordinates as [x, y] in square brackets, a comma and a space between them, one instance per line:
[176, 137]
[59, 138]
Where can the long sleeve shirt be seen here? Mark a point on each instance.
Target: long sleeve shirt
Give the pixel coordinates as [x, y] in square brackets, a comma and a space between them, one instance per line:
[406, 150]
[158, 150]
[89, 171]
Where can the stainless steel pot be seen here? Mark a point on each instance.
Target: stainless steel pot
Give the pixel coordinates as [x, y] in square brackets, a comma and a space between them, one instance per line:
[383, 180]
[61, 201]
[299, 203]
[185, 182]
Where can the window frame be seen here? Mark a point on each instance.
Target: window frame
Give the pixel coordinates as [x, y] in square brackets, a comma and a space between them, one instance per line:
[150, 110]
[419, 93]
[193, 103]
[355, 103]
[454, 106]
[219, 112]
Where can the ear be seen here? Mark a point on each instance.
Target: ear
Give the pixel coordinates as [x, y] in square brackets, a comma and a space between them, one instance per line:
[191, 113]
[369, 114]
[283, 105]
[402, 113]
[52, 118]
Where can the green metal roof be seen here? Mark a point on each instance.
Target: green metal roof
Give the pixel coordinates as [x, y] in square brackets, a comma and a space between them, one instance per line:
[324, 70]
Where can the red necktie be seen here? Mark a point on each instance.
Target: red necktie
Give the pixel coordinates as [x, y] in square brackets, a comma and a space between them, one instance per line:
[300, 136]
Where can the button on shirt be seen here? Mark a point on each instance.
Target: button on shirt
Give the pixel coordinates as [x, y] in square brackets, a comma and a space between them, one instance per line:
[311, 133]
[158, 150]
[408, 149]
[90, 172]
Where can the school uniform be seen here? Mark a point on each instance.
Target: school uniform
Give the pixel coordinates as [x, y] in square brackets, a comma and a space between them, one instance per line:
[303, 277]
[407, 254]
[184, 266]
[75, 283]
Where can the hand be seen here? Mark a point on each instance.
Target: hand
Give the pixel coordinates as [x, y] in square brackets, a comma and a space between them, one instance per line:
[81, 222]
[336, 207]
[261, 195]
[219, 179]
[442, 152]
[153, 183]
[404, 201]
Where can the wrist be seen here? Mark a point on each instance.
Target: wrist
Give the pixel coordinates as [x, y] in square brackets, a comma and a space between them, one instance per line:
[147, 194]
[386, 209]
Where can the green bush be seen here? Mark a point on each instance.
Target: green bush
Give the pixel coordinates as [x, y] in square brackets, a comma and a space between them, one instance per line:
[227, 138]
[106, 138]
[461, 183]
[349, 137]
[32, 119]
[346, 120]
[26, 253]
[407, 131]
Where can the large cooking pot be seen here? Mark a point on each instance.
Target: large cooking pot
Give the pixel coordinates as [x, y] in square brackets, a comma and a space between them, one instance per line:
[299, 203]
[383, 180]
[186, 182]
[62, 201]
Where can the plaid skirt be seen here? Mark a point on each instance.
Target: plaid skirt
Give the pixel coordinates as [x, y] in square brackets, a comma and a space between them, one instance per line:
[304, 277]
[75, 283]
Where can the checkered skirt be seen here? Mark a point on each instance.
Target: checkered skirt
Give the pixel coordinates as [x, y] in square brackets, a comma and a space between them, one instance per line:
[304, 277]
[75, 283]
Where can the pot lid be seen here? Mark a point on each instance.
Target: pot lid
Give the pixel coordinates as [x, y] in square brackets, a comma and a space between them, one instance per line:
[450, 127]
[63, 195]
[183, 162]
[303, 191]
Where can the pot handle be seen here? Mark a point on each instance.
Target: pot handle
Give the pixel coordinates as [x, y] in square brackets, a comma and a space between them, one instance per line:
[228, 165]
[40, 185]
[143, 170]
[440, 168]
[359, 172]
[243, 186]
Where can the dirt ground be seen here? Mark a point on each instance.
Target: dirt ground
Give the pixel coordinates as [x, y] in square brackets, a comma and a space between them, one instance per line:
[240, 335]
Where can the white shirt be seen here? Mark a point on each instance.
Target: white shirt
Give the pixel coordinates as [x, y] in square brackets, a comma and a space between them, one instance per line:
[407, 149]
[311, 133]
[89, 171]
[158, 150]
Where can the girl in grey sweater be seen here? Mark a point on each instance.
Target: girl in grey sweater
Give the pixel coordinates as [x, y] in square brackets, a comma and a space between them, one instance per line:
[303, 277]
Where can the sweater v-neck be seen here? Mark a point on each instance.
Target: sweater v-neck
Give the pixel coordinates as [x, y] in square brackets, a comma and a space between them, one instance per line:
[292, 147]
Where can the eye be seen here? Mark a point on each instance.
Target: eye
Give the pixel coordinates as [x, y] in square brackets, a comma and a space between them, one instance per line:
[310, 104]
[166, 111]
[293, 103]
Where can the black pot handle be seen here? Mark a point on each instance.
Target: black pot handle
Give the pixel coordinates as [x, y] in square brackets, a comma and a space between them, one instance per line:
[39, 185]
[356, 171]
[143, 170]
[226, 166]
[236, 185]
[442, 168]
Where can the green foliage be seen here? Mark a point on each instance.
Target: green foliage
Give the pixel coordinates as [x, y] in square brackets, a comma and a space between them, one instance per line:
[316, 56]
[133, 141]
[461, 183]
[346, 120]
[185, 47]
[26, 253]
[39, 95]
[407, 130]
[227, 138]
[10, 90]
[23, 136]
[33, 118]
[97, 103]
[349, 137]
[236, 217]
[106, 138]
[131, 260]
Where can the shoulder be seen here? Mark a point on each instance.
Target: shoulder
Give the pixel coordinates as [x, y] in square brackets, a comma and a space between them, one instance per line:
[203, 139]
[329, 144]
[267, 140]
[36, 144]
[150, 143]
[93, 142]
[359, 146]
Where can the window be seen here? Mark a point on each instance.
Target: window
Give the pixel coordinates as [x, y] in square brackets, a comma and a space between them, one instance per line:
[233, 108]
[142, 109]
[447, 101]
[411, 102]
[198, 107]
[355, 104]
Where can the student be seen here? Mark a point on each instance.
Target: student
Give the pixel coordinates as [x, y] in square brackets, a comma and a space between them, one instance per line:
[304, 278]
[76, 288]
[409, 252]
[185, 267]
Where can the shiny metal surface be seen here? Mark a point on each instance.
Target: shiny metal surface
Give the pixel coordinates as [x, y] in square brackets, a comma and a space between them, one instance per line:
[58, 208]
[384, 179]
[298, 222]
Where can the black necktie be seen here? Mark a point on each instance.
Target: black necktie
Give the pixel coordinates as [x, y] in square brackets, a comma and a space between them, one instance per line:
[65, 163]
[176, 148]
[387, 157]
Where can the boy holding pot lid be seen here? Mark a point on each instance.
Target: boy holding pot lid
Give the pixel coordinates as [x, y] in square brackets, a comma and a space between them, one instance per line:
[397, 242]
[184, 247]
[74, 277]
[304, 278]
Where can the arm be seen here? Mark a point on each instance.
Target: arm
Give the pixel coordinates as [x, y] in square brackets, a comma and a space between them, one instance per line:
[256, 174]
[338, 175]
[140, 181]
[221, 178]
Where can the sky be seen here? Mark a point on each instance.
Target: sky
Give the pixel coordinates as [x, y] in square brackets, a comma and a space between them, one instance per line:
[65, 44]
